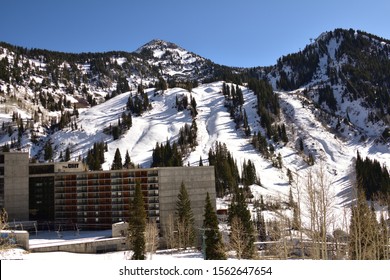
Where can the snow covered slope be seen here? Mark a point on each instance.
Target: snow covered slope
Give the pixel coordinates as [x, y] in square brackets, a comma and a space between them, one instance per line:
[164, 121]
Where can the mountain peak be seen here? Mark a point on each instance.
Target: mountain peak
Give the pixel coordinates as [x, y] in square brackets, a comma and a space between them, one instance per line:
[156, 44]
[174, 60]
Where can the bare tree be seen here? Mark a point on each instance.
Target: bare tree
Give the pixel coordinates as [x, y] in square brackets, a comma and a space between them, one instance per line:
[5, 243]
[298, 213]
[237, 237]
[151, 237]
[364, 229]
[3, 219]
[325, 201]
[275, 249]
[319, 206]
[169, 232]
[180, 234]
[384, 239]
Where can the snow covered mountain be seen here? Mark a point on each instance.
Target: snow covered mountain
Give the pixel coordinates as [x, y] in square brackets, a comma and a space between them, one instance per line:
[346, 74]
[331, 104]
[174, 62]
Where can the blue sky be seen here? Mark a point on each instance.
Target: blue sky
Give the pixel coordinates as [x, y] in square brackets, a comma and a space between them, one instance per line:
[235, 33]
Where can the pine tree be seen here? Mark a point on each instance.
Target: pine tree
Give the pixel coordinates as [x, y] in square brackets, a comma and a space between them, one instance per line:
[284, 134]
[194, 112]
[95, 156]
[48, 151]
[215, 249]
[247, 128]
[127, 164]
[117, 162]
[301, 146]
[261, 226]
[166, 155]
[137, 224]
[185, 219]
[249, 174]
[115, 132]
[67, 154]
[226, 171]
[238, 208]
[200, 161]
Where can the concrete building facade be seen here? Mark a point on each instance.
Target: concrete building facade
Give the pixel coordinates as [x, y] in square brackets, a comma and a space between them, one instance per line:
[14, 178]
[67, 195]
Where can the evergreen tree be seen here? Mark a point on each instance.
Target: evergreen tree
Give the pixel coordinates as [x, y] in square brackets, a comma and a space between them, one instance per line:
[185, 219]
[194, 111]
[117, 162]
[67, 154]
[130, 103]
[48, 150]
[249, 174]
[215, 249]
[372, 177]
[161, 84]
[226, 171]
[166, 155]
[238, 208]
[6, 148]
[95, 156]
[200, 161]
[301, 146]
[128, 164]
[284, 134]
[260, 143]
[239, 96]
[247, 128]
[187, 136]
[137, 224]
[115, 132]
[261, 226]
[122, 85]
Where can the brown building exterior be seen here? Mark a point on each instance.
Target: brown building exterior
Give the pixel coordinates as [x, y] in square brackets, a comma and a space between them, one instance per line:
[66, 195]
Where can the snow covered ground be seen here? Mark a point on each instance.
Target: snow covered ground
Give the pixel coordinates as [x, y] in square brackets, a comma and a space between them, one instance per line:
[20, 254]
[42, 239]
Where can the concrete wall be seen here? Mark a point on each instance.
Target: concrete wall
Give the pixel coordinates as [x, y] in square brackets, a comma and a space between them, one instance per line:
[16, 192]
[120, 229]
[198, 181]
[89, 247]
